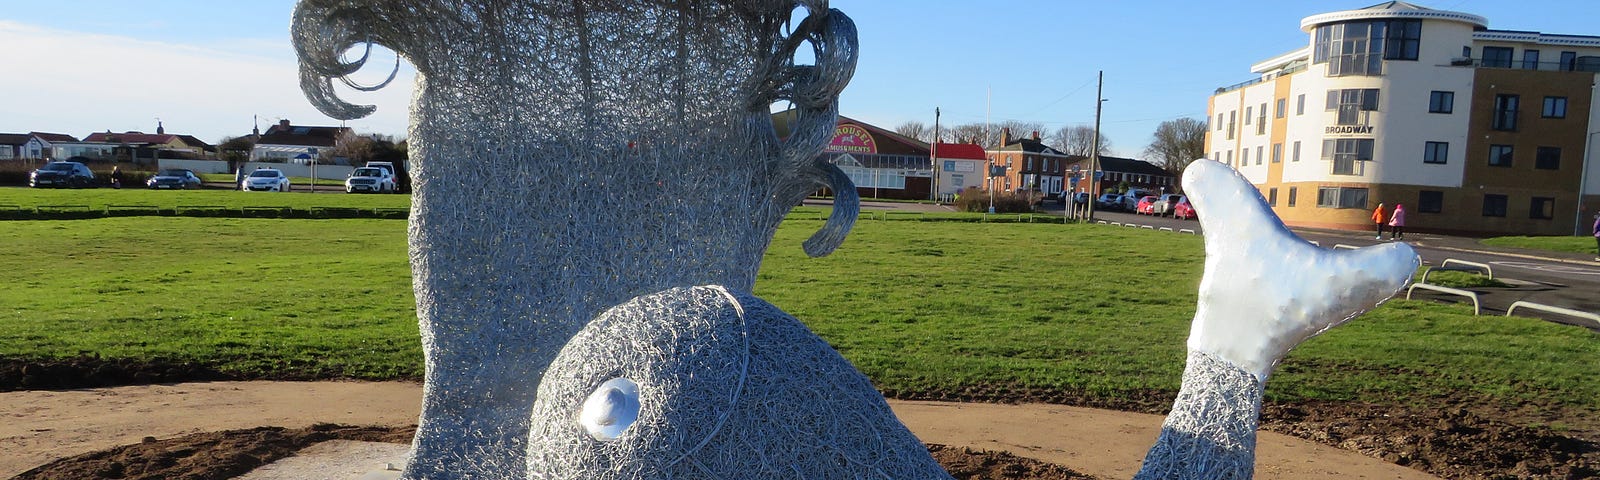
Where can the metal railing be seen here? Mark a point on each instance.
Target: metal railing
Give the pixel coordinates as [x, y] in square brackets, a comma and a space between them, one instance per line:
[1462, 266]
[1595, 319]
[1476, 307]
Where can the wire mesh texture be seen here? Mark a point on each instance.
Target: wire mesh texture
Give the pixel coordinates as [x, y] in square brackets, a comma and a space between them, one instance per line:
[1211, 431]
[570, 155]
[729, 386]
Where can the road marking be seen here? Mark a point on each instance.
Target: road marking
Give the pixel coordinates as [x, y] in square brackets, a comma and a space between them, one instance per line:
[1567, 269]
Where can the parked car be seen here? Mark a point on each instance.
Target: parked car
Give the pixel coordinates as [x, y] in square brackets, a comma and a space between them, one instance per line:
[370, 179]
[61, 175]
[1184, 210]
[1164, 203]
[266, 179]
[1130, 203]
[1108, 201]
[1146, 205]
[178, 178]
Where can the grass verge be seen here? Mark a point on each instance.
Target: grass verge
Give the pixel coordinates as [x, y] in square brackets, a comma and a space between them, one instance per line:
[1090, 311]
[1583, 245]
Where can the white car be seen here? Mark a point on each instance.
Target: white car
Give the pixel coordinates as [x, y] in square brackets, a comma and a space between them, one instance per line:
[369, 179]
[266, 179]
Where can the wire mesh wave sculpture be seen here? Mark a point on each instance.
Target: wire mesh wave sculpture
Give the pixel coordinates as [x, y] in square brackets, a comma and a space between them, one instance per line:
[571, 156]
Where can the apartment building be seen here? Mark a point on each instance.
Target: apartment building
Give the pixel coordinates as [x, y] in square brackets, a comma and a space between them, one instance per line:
[1475, 130]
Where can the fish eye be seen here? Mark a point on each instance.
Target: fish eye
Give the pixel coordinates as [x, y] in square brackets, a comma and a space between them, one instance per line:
[611, 409]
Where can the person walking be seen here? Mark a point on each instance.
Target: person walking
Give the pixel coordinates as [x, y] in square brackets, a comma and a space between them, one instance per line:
[116, 176]
[1597, 236]
[1397, 222]
[1377, 219]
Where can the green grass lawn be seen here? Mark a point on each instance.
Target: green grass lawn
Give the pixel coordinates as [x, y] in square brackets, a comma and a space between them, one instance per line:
[99, 198]
[917, 306]
[1584, 245]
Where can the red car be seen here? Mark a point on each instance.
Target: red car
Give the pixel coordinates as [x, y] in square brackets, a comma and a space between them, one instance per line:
[1146, 205]
[1183, 211]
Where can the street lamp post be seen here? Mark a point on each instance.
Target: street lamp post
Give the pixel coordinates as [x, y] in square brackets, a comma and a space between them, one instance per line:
[1583, 181]
[1094, 152]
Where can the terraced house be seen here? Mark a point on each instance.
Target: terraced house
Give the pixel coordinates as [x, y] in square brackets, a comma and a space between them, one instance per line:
[1475, 130]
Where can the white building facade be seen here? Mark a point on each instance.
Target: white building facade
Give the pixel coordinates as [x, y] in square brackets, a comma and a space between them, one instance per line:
[1473, 130]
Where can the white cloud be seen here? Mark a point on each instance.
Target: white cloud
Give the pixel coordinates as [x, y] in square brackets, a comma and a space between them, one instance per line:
[77, 83]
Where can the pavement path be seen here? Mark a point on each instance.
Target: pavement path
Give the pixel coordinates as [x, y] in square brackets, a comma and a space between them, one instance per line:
[40, 426]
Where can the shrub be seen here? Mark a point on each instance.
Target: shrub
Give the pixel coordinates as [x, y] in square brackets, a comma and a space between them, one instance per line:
[976, 200]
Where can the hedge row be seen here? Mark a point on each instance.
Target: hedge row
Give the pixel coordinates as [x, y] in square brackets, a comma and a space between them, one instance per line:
[79, 212]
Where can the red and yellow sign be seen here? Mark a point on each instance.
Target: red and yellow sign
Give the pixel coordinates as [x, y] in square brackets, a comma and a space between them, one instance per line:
[852, 139]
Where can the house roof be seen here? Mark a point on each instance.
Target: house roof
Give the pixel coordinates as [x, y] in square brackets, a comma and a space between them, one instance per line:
[963, 151]
[53, 137]
[1128, 165]
[1029, 145]
[301, 136]
[14, 138]
[190, 140]
[131, 137]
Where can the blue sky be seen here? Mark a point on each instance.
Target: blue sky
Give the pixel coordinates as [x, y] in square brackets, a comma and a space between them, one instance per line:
[205, 67]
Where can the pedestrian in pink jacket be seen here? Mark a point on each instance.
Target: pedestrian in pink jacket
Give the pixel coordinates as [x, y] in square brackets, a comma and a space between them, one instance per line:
[1397, 222]
[1597, 236]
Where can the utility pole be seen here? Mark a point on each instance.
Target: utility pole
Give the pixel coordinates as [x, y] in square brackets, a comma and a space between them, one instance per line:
[1094, 153]
[935, 154]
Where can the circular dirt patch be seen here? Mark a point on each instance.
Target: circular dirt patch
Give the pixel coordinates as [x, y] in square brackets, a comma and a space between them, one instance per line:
[225, 455]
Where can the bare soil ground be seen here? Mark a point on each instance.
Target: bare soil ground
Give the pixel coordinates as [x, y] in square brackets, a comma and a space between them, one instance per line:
[1451, 438]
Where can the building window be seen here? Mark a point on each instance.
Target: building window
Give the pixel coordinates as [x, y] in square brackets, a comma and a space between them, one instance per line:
[1272, 197]
[1555, 107]
[1441, 102]
[1569, 61]
[1261, 121]
[1530, 59]
[1219, 121]
[1277, 153]
[1351, 48]
[1244, 156]
[1338, 197]
[1230, 158]
[1283, 104]
[1292, 192]
[1500, 155]
[1430, 201]
[1466, 52]
[1494, 205]
[1259, 155]
[1249, 112]
[1300, 105]
[1547, 158]
[1347, 153]
[1436, 152]
[1296, 156]
[1404, 39]
[1233, 117]
[1505, 113]
[1542, 208]
[1497, 57]
[1350, 102]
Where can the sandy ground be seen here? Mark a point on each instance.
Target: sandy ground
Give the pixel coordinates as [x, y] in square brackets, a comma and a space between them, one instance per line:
[40, 426]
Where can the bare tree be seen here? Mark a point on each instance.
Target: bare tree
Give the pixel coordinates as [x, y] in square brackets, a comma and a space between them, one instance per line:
[355, 149]
[1176, 143]
[915, 129]
[1079, 140]
[1019, 129]
[975, 133]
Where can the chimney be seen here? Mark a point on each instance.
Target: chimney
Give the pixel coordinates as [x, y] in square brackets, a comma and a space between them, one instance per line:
[1005, 136]
[160, 130]
[283, 123]
[1035, 135]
